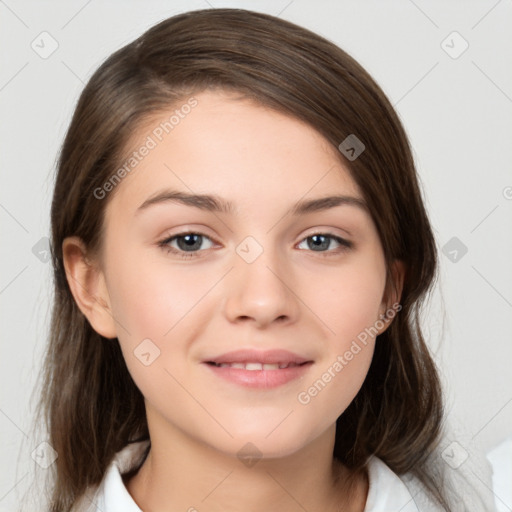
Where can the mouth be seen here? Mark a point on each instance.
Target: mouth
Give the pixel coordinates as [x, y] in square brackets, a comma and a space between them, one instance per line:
[257, 369]
[255, 366]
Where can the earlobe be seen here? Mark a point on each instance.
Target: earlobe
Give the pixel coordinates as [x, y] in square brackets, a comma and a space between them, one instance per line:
[88, 286]
[391, 301]
[394, 293]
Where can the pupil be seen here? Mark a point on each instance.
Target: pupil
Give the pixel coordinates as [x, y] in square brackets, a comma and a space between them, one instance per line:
[319, 241]
[188, 242]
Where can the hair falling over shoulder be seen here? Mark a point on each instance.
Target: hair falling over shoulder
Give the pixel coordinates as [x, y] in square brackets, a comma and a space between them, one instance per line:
[89, 402]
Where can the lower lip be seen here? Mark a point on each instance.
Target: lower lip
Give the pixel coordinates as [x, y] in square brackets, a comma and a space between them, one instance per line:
[263, 379]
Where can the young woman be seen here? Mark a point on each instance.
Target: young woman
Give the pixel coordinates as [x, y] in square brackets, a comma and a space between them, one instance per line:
[241, 251]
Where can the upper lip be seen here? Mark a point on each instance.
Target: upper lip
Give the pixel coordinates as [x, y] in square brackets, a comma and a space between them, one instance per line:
[258, 356]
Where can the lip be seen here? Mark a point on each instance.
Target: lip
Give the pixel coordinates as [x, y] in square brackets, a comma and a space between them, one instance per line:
[264, 378]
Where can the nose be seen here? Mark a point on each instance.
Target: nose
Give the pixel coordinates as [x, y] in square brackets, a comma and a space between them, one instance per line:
[261, 292]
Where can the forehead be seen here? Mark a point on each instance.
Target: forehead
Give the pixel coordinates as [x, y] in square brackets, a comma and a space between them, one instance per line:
[232, 147]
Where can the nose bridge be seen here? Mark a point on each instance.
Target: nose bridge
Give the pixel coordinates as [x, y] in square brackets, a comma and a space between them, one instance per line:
[258, 288]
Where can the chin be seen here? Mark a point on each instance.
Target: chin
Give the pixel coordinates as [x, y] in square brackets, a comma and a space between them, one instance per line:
[273, 438]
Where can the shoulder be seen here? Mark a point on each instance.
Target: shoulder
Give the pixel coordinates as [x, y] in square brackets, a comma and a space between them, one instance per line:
[464, 475]
[459, 468]
[386, 490]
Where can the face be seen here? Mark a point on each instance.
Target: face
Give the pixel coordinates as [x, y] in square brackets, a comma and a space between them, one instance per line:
[242, 315]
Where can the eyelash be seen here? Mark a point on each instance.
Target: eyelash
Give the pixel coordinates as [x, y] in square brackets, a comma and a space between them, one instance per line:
[164, 244]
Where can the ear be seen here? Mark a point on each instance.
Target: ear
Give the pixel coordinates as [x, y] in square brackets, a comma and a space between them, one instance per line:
[87, 284]
[392, 294]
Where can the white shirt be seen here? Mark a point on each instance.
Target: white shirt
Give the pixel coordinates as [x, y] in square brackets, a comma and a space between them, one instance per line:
[386, 493]
[500, 458]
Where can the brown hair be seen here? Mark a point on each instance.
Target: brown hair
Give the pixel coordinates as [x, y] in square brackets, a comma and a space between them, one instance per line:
[89, 402]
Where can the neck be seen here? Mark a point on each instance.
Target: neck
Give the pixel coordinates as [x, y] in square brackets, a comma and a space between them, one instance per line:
[181, 473]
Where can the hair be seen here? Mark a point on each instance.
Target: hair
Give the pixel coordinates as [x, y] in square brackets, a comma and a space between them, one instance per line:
[89, 403]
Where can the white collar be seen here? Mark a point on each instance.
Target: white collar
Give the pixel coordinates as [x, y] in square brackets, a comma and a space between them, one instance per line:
[386, 491]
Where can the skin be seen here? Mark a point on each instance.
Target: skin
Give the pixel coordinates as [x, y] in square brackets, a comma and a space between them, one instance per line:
[293, 297]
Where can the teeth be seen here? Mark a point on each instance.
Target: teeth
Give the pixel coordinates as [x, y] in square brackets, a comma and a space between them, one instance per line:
[257, 366]
[253, 366]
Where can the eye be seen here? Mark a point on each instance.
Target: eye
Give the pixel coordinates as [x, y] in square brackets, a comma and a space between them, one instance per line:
[190, 244]
[186, 244]
[323, 242]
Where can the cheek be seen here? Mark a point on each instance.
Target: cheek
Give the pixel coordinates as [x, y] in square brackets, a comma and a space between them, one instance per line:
[340, 373]
[149, 296]
[158, 302]
[347, 299]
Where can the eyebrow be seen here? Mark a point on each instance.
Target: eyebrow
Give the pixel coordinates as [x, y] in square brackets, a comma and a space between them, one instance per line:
[215, 203]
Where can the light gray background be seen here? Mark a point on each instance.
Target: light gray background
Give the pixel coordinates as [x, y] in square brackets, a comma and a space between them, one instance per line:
[457, 112]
